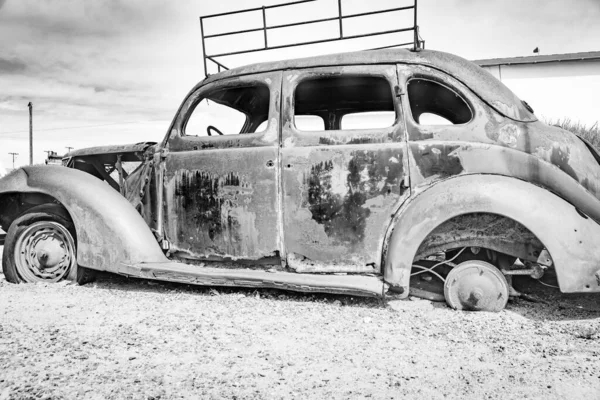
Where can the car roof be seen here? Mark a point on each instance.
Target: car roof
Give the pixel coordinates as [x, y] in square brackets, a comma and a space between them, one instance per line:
[481, 82]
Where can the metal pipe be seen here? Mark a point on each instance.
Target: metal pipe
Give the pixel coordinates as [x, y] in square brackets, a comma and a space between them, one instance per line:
[310, 42]
[416, 28]
[314, 21]
[391, 46]
[216, 62]
[257, 8]
[264, 15]
[203, 47]
[30, 133]
[340, 18]
[379, 11]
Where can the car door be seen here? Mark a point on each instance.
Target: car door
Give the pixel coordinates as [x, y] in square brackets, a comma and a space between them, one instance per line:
[220, 177]
[344, 166]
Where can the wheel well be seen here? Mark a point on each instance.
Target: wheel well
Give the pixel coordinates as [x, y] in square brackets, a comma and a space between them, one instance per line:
[483, 230]
[13, 205]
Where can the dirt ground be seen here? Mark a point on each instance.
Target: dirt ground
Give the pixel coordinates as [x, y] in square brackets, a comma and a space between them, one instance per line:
[122, 338]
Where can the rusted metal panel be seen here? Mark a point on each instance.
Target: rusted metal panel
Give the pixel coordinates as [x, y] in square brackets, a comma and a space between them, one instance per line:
[571, 239]
[222, 192]
[340, 188]
[337, 203]
[492, 144]
[185, 273]
[109, 230]
[107, 151]
[222, 203]
[489, 231]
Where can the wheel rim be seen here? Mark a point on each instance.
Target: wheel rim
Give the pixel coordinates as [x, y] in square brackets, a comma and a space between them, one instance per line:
[476, 286]
[44, 252]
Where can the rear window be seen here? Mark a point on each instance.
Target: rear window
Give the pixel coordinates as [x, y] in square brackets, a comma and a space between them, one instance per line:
[432, 103]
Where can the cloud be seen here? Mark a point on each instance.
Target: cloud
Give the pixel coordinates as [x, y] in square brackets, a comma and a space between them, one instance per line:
[11, 66]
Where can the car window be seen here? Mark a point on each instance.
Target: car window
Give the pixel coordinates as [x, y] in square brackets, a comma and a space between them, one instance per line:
[368, 120]
[309, 122]
[230, 111]
[331, 99]
[432, 103]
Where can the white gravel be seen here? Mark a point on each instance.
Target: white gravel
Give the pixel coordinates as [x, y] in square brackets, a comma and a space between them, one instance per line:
[120, 339]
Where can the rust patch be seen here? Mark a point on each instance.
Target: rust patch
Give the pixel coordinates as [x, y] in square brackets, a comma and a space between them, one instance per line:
[560, 158]
[344, 215]
[482, 230]
[302, 264]
[437, 160]
[338, 203]
[216, 206]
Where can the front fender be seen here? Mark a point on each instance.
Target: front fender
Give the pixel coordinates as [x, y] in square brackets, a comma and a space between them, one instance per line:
[109, 230]
[571, 238]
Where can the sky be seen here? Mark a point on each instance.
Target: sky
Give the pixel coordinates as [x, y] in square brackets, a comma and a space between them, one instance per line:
[115, 71]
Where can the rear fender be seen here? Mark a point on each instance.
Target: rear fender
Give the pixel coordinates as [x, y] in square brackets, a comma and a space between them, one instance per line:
[110, 232]
[571, 238]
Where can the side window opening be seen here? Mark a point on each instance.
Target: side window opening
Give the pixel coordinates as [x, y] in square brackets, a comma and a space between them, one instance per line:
[368, 120]
[230, 111]
[344, 102]
[309, 123]
[432, 103]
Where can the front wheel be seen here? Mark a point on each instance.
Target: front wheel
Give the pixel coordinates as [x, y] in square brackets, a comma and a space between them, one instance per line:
[40, 247]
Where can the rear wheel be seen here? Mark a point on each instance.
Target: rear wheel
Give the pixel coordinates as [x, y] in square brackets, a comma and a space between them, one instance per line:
[40, 247]
[476, 286]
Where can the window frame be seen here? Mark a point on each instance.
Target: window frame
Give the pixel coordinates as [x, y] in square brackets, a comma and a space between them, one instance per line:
[482, 113]
[295, 137]
[447, 85]
[176, 140]
[193, 110]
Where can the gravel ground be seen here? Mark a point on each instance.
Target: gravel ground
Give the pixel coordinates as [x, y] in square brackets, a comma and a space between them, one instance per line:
[123, 338]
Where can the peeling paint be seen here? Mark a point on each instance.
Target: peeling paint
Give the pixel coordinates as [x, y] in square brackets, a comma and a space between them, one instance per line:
[509, 134]
[346, 195]
[437, 160]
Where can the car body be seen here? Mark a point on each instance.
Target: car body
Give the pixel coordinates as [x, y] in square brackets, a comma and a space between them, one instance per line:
[334, 174]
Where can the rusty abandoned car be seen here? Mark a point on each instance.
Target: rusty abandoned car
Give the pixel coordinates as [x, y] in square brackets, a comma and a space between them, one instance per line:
[371, 173]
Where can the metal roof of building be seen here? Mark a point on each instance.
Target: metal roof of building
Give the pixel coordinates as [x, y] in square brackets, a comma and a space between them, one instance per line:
[539, 59]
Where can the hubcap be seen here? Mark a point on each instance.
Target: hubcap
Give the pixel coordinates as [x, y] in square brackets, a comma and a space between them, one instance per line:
[44, 252]
[477, 286]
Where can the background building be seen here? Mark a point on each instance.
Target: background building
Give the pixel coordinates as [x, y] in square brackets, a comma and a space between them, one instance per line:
[556, 86]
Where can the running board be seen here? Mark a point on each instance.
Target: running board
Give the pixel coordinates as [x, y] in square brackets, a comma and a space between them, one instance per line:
[371, 286]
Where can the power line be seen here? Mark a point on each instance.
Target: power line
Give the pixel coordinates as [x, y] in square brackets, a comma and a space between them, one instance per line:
[13, 156]
[84, 126]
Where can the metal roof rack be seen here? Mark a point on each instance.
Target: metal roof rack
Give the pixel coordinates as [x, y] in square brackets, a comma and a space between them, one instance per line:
[416, 43]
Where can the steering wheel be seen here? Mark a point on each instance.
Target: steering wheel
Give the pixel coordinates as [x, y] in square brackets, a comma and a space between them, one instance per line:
[210, 127]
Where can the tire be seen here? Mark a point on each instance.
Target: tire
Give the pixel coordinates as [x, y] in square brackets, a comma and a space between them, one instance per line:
[40, 246]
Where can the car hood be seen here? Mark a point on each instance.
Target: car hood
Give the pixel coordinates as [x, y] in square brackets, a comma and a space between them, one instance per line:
[111, 149]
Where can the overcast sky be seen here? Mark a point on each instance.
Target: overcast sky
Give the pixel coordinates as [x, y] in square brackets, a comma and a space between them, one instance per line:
[115, 71]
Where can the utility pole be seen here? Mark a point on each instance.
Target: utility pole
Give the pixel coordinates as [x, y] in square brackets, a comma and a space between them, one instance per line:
[69, 148]
[30, 133]
[13, 156]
